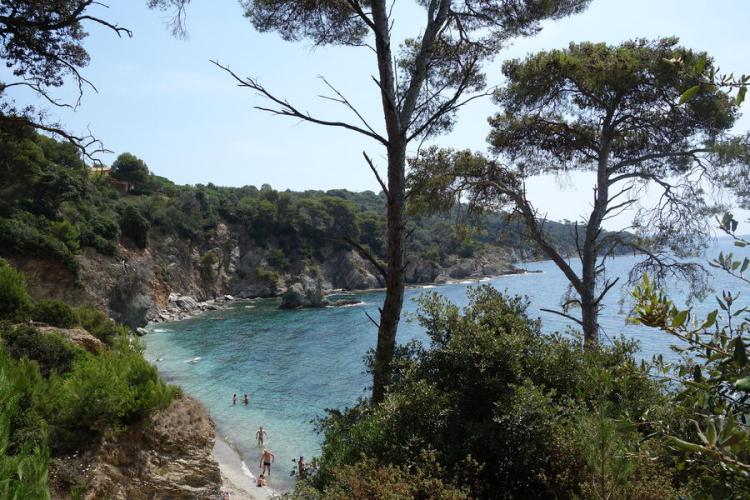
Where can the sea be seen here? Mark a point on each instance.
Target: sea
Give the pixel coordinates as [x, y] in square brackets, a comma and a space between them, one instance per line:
[293, 365]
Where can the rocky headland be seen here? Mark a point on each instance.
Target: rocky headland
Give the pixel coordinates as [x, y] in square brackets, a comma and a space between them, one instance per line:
[174, 278]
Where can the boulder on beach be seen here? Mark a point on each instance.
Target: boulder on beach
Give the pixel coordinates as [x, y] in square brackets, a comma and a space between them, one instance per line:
[305, 293]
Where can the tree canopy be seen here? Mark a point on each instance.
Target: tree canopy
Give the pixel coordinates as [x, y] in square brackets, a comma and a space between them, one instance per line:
[129, 168]
[616, 111]
[421, 87]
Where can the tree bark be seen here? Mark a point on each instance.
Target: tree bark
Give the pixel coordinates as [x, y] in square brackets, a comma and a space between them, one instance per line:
[590, 253]
[394, 294]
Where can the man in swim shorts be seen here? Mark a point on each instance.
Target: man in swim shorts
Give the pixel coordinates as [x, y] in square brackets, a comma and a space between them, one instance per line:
[265, 462]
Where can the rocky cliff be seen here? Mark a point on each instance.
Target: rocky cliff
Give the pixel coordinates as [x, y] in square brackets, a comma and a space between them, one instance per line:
[167, 456]
[136, 285]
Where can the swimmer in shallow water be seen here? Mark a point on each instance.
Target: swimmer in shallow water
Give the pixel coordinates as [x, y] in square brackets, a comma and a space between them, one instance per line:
[260, 437]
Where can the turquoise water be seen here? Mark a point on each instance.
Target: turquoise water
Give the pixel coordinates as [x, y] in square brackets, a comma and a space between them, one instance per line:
[295, 364]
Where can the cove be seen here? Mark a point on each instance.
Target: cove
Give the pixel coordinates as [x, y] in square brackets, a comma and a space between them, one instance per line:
[295, 364]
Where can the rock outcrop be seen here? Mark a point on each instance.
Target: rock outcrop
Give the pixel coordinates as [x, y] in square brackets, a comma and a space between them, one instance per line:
[77, 336]
[305, 293]
[167, 456]
[175, 278]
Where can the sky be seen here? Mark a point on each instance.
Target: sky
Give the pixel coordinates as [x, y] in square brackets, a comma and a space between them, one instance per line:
[162, 99]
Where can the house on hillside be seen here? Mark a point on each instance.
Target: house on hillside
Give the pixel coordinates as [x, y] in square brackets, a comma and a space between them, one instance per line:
[103, 172]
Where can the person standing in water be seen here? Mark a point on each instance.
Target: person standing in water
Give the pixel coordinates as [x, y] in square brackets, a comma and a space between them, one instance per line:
[260, 437]
[245, 400]
[301, 467]
[234, 399]
[266, 459]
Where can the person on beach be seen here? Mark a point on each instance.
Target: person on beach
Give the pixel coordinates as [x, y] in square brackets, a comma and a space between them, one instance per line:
[245, 400]
[261, 481]
[265, 462]
[234, 399]
[260, 437]
[301, 467]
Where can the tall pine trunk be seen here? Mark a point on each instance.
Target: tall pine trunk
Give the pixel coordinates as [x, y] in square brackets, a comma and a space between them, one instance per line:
[394, 292]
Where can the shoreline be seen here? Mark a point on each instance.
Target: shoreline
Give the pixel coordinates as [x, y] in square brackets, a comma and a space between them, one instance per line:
[236, 478]
[226, 302]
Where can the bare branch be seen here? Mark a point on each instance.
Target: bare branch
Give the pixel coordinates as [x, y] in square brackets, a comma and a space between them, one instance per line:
[286, 109]
[343, 100]
[377, 175]
[362, 251]
[564, 315]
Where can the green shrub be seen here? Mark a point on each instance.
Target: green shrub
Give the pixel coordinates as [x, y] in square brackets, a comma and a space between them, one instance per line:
[55, 313]
[135, 226]
[50, 350]
[276, 258]
[208, 261]
[23, 472]
[264, 274]
[13, 296]
[99, 325]
[366, 479]
[28, 235]
[493, 389]
[108, 391]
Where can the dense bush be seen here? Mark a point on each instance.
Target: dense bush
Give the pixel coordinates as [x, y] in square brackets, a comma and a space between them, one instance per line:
[14, 300]
[108, 391]
[55, 313]
[56, 396]
[135, 226]
[23, 471]
[50, 350]
[99, 325]
[493, 391]
[208, 261]
[367, 480]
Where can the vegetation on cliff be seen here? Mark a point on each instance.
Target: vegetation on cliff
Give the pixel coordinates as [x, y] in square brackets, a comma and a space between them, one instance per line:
[57, 397]
[53, 206]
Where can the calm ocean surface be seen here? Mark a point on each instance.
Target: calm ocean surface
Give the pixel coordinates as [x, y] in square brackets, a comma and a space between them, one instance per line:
[295, 364]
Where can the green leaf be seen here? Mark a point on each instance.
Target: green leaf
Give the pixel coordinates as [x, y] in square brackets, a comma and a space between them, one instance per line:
[743, 384]
[711, 433]
[700, 433]
[710, 319]
[689, 94]
[740, 96]
[740, 355]
[733, 439]
[684, 445]
[679, 319]
[700, 65]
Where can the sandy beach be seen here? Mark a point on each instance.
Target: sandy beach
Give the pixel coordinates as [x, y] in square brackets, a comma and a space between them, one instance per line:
[236, 478]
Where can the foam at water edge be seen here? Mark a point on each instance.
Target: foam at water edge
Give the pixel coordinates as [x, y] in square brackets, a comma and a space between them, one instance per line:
[246, 471]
